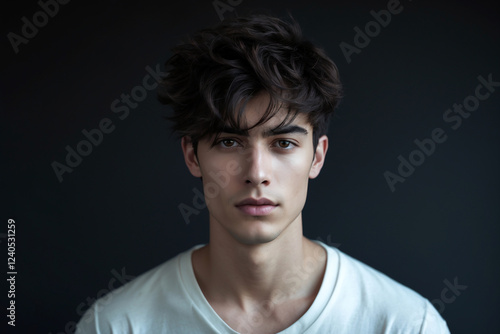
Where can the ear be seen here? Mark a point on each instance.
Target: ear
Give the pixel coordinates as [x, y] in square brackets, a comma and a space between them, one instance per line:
[189, 156]
[319, 157]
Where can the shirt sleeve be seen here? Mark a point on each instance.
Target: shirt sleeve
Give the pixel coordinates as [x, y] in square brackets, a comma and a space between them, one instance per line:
[88, 323]
[433, 322]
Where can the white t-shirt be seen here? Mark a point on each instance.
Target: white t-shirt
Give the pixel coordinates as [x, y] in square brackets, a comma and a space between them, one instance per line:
[353, 298]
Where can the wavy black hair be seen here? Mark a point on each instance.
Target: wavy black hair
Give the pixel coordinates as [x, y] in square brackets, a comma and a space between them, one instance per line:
[210, 78]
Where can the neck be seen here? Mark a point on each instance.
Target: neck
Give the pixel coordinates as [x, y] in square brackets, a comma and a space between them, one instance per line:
[289, 267]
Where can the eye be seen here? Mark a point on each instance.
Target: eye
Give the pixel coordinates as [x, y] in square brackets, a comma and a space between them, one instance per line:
[228, 142]
[285, 144]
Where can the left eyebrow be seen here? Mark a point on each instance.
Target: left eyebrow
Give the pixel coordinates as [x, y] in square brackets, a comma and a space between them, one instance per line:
[288, 129]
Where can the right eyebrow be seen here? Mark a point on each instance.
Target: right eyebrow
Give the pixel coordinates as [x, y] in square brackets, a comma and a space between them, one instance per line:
[234, 131]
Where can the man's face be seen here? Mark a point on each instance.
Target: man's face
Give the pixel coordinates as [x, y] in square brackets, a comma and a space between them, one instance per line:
[259, 165]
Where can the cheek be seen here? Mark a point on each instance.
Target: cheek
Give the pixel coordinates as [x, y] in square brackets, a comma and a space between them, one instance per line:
[294, 173]
[218, 175]
[298, 164]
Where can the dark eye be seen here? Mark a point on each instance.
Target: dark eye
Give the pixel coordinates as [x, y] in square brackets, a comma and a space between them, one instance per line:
[228, 142]
[284, 144]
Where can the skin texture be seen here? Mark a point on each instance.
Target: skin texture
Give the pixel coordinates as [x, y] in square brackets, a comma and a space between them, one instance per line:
[252, 270]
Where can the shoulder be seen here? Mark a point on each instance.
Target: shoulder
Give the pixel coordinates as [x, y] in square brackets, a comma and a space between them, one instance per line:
[136, 302]
[369, 281]
[364, 294]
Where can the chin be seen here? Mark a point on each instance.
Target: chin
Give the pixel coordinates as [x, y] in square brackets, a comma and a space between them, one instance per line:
[256, 238]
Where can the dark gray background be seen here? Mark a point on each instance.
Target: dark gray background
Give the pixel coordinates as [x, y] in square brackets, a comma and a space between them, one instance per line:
[118, 209]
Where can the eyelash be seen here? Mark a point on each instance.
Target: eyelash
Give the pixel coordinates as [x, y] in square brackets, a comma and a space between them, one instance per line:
[290, 146]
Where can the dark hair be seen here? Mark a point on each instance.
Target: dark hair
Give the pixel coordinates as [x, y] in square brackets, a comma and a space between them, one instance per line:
[210, 78]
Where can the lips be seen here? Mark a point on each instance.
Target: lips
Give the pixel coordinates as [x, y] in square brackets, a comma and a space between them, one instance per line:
[256, 207]
[253, 201]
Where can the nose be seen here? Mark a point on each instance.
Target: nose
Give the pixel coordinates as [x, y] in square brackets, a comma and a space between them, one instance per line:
[258, 166]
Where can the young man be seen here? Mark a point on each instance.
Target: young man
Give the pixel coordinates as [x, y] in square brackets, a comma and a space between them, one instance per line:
[252, 100]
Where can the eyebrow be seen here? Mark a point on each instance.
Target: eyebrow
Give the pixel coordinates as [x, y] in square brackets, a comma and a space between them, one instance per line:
[287, 129]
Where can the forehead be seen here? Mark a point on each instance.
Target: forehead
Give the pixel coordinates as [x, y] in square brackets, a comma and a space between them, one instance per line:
[255, 109]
